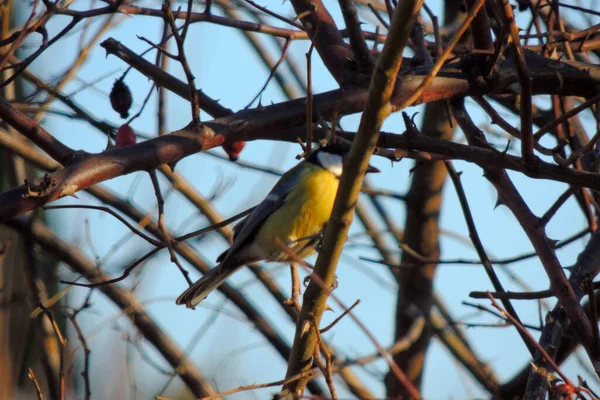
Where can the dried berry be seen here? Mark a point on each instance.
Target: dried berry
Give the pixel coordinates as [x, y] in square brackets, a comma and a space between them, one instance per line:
[125, 136]
[120, 98]
[234, 149]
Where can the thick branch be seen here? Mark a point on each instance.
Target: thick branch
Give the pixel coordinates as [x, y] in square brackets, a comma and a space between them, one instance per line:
[273, 122]
[524, 82]
[326, 36]
[377, 109]
[481, 28]
[34, 132]
[362, 54]
[172, 147]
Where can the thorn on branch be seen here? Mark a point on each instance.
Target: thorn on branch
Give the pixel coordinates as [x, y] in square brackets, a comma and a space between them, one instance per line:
[338, 319]
[305, 13]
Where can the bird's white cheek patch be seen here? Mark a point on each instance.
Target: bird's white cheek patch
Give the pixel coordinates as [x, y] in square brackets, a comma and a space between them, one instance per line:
[332, 162]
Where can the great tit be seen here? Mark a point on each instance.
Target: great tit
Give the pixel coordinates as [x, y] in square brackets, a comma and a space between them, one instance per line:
[295, 212]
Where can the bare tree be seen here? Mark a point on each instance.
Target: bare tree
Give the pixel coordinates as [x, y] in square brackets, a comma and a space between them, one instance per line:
[529, 67]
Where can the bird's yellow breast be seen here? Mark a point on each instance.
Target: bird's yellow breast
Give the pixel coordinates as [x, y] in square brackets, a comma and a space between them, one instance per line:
[306, 210]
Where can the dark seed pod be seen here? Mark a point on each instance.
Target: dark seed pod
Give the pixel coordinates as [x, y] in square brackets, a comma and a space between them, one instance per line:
[120, 98]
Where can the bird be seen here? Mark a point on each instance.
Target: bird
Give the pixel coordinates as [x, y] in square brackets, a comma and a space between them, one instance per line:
[295, 211]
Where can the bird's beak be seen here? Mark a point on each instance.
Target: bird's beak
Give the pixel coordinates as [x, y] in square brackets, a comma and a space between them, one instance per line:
[372, 169]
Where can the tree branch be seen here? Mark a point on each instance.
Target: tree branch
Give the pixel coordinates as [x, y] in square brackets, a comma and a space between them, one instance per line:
[377, 109]
[329, 43]
[362, 54]
[124, 299]
[34, 132]
[162, 78]
[536, 234]
[489, 269]
[586, 267]
[273, 122]
[524, 82]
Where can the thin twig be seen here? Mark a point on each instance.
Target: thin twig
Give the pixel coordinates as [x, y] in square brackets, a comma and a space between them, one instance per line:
[85, 373]
[541, 294]
[557, 205]
[327, 370]
[284, 51]
[161, 223]
[309, 96]
[361, 51]
[127, 271]
[308, 374]
[494, 313]
[532, 341]
[295, 289]
[527, 139]
[213, 227]
[36, 384]
[576, 155]
[379, 18]
[566, 116]
[179, 39]
[62, 347]
[111, 212]
[338, 319]
[489, 269]
[402, 344]
[275, 15]
[443, 57]
[591, 291]
[462, 261]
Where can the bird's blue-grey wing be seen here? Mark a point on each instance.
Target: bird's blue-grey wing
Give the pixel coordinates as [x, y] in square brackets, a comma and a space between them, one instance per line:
[245, 230]
[238, 227]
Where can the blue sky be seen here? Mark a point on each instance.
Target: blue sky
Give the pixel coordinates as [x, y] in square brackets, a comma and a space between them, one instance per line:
[231, 351]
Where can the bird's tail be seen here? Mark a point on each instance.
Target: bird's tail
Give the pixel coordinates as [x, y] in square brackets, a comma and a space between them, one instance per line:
[209, 282]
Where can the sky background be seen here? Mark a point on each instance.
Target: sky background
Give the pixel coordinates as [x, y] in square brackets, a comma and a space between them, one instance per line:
[230, 351]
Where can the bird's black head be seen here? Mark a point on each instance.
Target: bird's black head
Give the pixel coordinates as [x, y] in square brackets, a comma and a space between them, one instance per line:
[331, 157]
